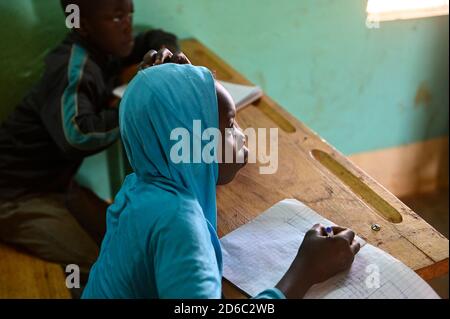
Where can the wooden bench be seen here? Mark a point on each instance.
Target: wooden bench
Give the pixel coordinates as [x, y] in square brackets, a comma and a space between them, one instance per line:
[25, 276]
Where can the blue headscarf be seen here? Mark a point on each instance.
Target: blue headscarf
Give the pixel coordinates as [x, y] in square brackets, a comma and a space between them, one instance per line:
[161, 239]
[173, 97]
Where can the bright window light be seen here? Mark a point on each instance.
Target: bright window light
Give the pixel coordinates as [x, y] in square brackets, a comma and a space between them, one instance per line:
[386, 10]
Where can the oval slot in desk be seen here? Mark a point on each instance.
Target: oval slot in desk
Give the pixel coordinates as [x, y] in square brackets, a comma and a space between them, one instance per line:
[275, 116]
[381, 206]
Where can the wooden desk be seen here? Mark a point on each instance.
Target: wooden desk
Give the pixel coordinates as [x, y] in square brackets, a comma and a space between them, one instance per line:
[24, 276]
[315, 173]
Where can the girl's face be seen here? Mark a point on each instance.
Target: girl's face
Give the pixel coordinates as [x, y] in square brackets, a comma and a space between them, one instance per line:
[231, 141]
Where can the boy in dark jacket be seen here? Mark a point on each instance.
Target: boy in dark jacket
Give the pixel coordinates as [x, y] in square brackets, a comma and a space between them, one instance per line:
[63, 119]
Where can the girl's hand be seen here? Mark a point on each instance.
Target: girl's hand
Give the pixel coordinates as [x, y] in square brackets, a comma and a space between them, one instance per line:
[319, 258]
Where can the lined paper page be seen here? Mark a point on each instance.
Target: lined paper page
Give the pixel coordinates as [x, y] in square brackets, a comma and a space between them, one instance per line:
[257, 255]
[374, 275]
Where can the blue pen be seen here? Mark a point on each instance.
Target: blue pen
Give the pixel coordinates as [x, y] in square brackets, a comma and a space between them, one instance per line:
[329, 231]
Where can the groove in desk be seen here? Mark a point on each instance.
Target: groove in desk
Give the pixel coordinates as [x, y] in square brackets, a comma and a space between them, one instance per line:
[381, 206]
[275, 116]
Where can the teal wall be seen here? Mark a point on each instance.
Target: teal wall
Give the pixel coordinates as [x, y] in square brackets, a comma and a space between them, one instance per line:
[361, 89]
[355, 86]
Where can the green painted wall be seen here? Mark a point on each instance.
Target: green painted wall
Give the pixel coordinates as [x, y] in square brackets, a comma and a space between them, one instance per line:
[361, 89]
[29, 29]
[355, 86]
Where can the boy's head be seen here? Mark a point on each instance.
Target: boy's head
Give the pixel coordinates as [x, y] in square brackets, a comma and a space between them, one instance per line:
[106, 24]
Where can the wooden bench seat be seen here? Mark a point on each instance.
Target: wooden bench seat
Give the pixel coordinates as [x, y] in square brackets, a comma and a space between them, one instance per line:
[26, 276]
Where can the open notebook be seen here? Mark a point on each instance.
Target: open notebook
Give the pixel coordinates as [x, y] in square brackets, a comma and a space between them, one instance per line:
[257, 254]
[242, 95]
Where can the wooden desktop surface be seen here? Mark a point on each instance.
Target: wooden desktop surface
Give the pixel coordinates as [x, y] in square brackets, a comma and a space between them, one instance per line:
[312, 171]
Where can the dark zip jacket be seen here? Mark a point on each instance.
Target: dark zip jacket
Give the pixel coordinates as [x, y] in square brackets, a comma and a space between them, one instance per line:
[65, 116]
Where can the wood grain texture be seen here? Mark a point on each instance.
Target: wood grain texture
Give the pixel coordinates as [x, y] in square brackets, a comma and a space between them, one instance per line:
[26, 277]
[301, 176]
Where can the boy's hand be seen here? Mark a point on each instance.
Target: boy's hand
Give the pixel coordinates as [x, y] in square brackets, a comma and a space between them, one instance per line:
[164, 55]
[319, 258]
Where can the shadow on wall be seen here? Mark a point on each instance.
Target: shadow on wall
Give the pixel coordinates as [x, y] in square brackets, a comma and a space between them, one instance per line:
[431, 102]
[436, 109]
[31, 28]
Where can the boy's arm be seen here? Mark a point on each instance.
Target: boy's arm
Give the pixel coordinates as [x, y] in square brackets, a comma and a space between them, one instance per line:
[73, 117]
[151, 40]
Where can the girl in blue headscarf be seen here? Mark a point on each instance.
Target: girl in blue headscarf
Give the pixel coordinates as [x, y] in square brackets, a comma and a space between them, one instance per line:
[161, 239]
